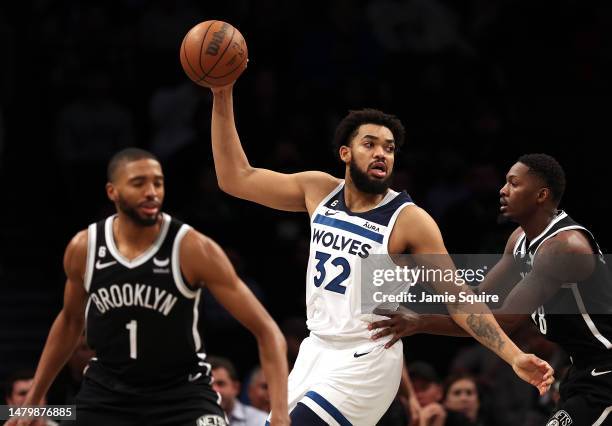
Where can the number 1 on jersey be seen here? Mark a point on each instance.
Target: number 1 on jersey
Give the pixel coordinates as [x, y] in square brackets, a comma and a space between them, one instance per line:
[132, 326]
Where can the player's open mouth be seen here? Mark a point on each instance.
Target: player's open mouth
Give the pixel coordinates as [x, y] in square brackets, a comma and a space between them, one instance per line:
[503, 204]
[149, 208]
[378, 169]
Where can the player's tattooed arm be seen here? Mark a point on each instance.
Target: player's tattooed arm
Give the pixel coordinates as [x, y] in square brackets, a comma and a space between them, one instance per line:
[483, 327]
[423, 239]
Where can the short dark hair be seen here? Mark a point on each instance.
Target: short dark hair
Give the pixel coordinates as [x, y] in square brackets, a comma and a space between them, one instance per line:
[424, 371]
[349, 125]
[454, 378]
[24, 374]
[221, 362]
[549, 170]
[125, 156]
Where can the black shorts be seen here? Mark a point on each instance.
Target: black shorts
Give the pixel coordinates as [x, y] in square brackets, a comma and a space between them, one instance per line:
[189, 404]
[586, 398]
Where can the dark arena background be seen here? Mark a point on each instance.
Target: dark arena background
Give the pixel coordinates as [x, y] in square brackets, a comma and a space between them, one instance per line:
[476, 83]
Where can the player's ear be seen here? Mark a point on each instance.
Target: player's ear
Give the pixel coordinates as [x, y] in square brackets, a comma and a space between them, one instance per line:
[345, 154]
[543, 195]
[111, 192]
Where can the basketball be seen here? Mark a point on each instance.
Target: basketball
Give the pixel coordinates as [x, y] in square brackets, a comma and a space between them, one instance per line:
[213, 54]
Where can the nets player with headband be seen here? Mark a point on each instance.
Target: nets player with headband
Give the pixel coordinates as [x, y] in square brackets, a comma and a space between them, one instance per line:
[553, 269]
[341, 376]
[134, 279]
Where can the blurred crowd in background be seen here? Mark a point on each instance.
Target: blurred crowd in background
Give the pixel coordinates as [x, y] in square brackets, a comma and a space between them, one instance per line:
[475, 82]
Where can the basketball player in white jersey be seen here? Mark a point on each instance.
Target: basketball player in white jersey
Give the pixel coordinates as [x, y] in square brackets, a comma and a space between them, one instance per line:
[341, 376]
[134, 281]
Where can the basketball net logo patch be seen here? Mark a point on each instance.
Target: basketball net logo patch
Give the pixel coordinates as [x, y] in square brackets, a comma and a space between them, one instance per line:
[211, 420]
[561, 418]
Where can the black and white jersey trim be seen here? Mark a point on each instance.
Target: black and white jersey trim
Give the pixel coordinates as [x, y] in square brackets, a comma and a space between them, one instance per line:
[587, 318]
[91, 256]
[146, 255]
[603, 416]
[182, 287]
[176, 264]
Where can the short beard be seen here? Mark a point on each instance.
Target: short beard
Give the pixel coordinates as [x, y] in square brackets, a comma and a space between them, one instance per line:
[366, 184]
[131, 212]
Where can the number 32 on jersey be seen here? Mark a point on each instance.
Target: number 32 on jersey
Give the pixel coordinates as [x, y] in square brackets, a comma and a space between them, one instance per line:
[343, 269]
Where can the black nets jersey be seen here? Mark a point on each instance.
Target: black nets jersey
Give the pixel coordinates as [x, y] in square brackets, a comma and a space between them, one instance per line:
[142, 317]
[579, 316]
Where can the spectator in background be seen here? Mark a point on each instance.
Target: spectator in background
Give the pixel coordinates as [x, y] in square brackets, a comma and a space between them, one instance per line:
[426, 382]
[429, 392]
[259, 397]
[227, 385]
[461, 395]
[505, 393]
[17, 387]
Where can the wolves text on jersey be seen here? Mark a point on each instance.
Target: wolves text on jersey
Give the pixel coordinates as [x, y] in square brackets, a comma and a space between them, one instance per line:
[341, 243]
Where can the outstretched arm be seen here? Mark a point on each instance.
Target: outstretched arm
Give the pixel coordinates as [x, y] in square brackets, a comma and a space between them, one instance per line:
[204, 262]
[291, 192]
[568, 257]
[422, 237]
[500, 280]
[67, 327]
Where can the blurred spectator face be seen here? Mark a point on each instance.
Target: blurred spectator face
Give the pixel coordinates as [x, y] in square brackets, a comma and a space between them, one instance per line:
[18, 394]
[427, 392]
[20, 389]
[258, 392]
[462, 396]
[227, 388]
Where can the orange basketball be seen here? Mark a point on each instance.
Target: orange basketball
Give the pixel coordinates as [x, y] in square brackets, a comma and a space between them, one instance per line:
[213, 54]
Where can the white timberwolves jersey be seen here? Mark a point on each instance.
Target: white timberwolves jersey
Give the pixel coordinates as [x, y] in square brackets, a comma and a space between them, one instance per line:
[339, 240]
